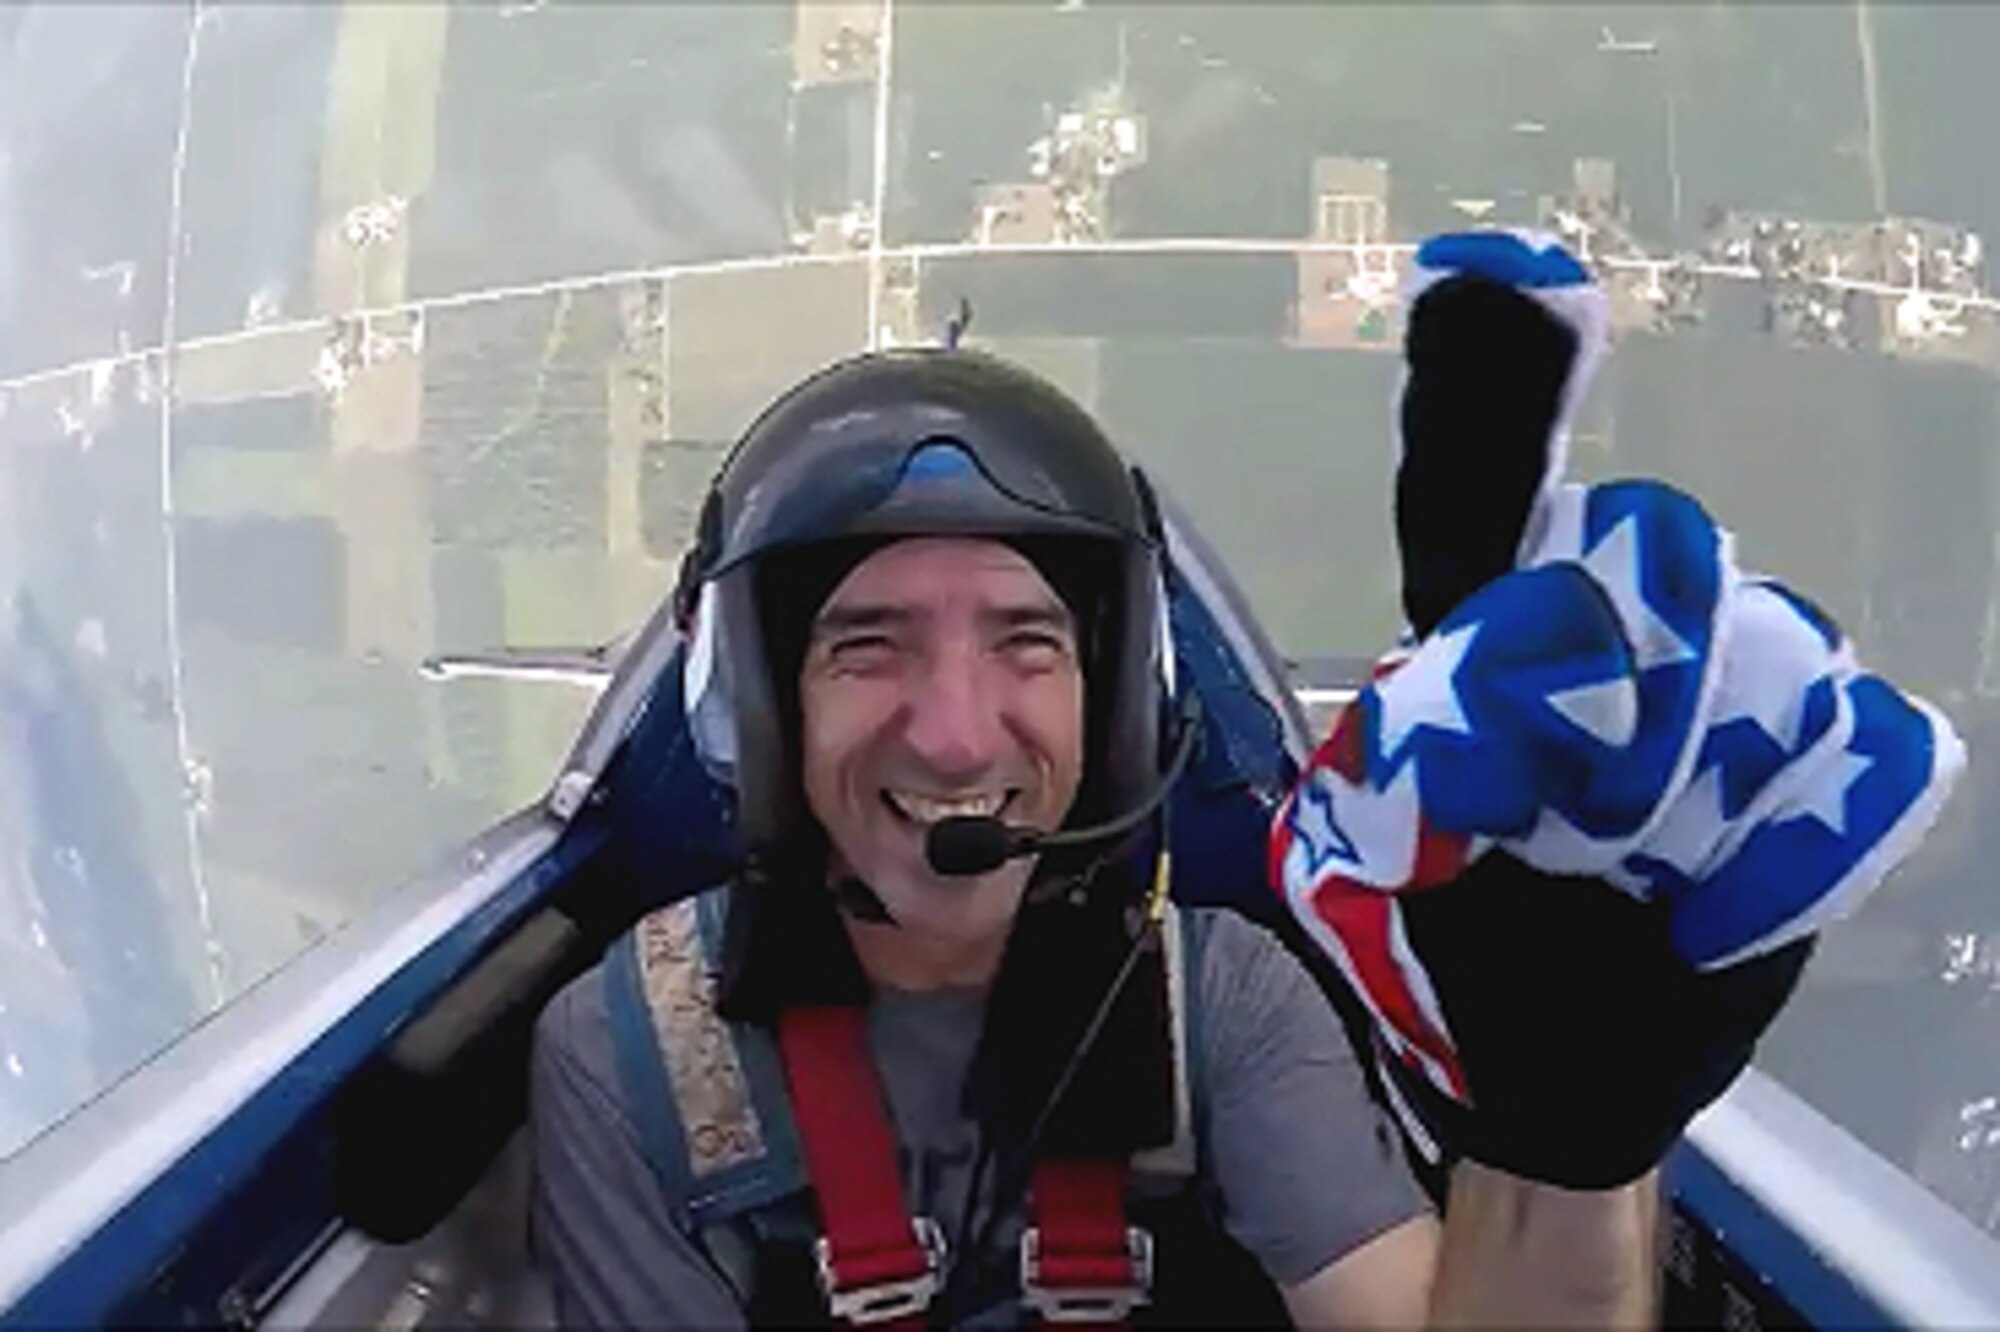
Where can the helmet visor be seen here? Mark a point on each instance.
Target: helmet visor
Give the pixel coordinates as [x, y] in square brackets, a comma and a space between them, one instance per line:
[920, 457]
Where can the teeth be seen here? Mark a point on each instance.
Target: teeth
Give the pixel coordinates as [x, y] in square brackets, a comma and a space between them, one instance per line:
[931, 809]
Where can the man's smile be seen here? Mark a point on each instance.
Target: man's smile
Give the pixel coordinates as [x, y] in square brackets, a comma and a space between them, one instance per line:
[924, 810]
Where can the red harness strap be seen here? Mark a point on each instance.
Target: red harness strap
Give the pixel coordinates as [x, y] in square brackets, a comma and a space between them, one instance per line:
[875, 1264]
[1080, 1263]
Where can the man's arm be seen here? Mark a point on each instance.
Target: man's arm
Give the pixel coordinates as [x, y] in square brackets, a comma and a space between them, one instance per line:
[603, 1230]
[1511, 1253]
[1311, 1179]
[1386, 1283]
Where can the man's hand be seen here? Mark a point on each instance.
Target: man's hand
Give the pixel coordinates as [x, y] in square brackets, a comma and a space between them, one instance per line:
[1587, 1043]
[1597, 689]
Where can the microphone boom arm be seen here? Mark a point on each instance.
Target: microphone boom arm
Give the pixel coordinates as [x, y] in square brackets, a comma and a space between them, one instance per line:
[972, 844]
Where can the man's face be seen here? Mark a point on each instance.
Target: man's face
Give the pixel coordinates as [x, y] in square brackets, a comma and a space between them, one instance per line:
[940, 678]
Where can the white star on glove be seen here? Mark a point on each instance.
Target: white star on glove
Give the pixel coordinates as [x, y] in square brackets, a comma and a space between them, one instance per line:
[1828, 801]
[1313, 822]
[1614, 563]
[1425, 692]
[1607, 709]
[1333, 820]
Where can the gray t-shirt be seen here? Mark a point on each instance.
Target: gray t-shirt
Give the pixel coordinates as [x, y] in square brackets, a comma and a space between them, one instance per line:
[1305, 1166]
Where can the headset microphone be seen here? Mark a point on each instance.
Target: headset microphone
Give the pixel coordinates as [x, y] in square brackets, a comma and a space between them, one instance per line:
[973, 844]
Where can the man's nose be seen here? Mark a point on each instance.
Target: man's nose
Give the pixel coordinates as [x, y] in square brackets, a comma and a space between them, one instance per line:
[954, 720]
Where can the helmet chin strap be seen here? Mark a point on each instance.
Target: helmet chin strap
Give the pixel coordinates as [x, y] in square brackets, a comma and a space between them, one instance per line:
[855, 898]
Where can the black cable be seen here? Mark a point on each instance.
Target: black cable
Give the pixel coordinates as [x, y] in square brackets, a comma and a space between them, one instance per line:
[1013, 1182]
[963, 1259]
[970, 1263]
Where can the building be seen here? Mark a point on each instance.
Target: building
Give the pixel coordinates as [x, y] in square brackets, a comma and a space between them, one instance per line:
[1347, 298]
[835, 41]
[1016, 213]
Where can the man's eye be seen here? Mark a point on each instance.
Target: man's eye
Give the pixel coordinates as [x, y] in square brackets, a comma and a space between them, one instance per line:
[1038, 643]
[859, 646]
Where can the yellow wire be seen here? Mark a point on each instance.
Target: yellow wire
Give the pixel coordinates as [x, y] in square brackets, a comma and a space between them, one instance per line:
[1163, 878]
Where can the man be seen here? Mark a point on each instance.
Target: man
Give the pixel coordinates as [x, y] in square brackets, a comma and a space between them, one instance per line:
[929, 595]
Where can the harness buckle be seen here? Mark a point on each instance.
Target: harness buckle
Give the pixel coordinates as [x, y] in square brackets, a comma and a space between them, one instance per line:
[884, 1301]
[1112, 1303]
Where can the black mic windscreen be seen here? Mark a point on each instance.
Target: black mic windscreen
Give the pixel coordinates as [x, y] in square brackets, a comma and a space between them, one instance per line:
[969, 845]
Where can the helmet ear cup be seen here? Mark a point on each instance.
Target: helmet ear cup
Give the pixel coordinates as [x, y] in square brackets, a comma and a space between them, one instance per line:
[762, 752]
[697, 562]
[1163, 672]
[1149, 508]
[1133, 690]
